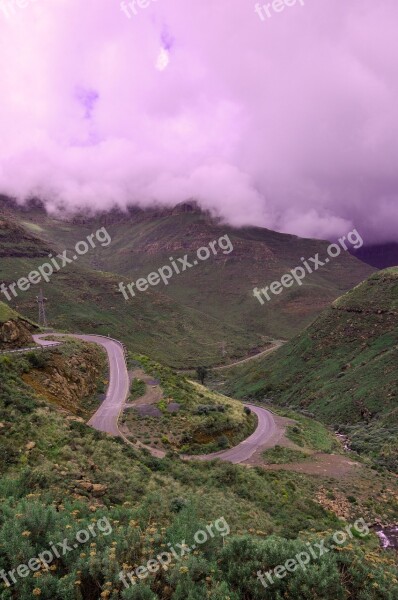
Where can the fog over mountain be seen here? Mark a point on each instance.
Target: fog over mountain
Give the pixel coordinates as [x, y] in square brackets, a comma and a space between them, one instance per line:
[288, 123]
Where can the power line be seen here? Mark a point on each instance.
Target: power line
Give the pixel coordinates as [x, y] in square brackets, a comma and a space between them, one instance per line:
[40, 299]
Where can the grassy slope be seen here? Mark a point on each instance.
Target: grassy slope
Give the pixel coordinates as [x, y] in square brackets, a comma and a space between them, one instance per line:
[343, 367]
[6, 313]
[221, 286]
[83, 300]
[150, 502]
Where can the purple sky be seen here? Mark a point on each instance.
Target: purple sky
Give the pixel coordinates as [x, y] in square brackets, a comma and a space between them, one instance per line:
[290, 123]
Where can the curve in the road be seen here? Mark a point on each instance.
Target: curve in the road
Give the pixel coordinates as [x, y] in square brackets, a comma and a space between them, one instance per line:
[107, 416]
[266, 428]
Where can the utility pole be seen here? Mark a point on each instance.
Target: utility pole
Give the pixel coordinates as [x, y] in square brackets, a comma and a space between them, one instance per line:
[223, 349]
[40, 299]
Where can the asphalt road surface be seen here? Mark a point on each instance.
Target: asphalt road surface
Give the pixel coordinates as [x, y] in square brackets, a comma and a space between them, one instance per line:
[266, 428]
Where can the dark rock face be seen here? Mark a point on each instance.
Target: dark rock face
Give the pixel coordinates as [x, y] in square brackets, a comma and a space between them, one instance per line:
[15, 334]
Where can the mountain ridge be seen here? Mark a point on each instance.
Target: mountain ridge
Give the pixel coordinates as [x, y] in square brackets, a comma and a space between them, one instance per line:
[221, 287]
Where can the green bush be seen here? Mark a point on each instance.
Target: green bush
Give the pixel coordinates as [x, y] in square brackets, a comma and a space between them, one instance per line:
[38, 360]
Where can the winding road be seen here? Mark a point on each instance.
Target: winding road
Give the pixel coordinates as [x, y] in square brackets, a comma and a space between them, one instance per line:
[107, 416]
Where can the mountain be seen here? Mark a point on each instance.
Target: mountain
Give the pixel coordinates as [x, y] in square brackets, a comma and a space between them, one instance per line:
[218, 290]
[82, 299]
[93, 508]
[343, 368]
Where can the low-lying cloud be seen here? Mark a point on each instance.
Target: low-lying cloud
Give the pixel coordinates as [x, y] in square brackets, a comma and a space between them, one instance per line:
[290, 123]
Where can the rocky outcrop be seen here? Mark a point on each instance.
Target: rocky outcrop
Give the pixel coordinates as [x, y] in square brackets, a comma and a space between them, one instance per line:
[16, 333]
[70, 380]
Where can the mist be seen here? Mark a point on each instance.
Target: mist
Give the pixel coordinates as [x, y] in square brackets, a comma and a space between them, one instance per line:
[288, 123]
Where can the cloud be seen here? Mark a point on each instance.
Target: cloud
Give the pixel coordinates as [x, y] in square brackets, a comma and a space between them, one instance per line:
[290, 123]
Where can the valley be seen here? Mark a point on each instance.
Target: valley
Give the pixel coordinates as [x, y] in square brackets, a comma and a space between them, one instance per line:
[112, 426]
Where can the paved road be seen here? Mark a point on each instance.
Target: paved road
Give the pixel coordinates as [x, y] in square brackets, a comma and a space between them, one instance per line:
[266, 428]
[276, 344]
[106, 417]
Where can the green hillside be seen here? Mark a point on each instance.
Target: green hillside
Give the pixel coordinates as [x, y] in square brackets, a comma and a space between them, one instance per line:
[81, 299]
[220, 287]
[6, 313]
[343, 368]
[59, 478]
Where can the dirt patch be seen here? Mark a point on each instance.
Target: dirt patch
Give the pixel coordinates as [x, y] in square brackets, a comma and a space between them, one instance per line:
[153, 393]
[326, 465]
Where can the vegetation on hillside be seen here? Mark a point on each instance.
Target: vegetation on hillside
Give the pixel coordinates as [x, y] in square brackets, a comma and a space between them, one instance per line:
[216, 295]
[59, 477]
[6, 313]
[280, 455]
[83, 299]
[343, 369]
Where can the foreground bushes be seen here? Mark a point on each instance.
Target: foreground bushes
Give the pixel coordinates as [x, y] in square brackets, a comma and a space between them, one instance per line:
[151, 503]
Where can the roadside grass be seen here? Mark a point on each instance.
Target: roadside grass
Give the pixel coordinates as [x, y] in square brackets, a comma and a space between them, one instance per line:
[307, 432]
[342, 369]
[137, 389]
[281, 455]
[311, 434]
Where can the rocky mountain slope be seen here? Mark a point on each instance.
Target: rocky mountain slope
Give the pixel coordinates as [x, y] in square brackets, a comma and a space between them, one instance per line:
[219, 288]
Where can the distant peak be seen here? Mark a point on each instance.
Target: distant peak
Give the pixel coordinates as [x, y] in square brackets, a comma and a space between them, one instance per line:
[188, 206]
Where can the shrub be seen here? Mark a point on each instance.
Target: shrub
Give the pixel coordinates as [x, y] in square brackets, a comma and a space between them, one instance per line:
[223, 442]
[38, 360]
[177, 504]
